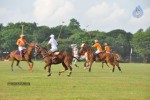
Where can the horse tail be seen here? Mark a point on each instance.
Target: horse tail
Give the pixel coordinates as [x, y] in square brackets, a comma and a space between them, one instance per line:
[7, 58]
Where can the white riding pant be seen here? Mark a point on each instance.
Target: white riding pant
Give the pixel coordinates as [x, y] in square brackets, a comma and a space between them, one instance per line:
[53, 49]
[97, 52]
[20, 48]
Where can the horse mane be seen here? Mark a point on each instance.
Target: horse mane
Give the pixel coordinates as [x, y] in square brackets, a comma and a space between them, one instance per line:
[89, 48]
[45, 48]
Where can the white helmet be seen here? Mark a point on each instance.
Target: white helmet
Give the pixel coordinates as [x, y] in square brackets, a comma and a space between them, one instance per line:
[22, 35]
[96, 41]
[105, 43]
[73, 45]
[52, 36]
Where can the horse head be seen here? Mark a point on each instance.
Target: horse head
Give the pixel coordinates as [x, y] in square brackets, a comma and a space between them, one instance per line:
[32, 44]
[39, 50]
[84, 48]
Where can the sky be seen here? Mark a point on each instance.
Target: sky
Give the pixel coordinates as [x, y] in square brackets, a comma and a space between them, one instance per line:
[102, 15]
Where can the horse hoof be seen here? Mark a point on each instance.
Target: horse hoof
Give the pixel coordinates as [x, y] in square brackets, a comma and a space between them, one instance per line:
[44, 68]
[20, 67]
[49, 75]
[68, 75]
[59, 73]
[89, 70]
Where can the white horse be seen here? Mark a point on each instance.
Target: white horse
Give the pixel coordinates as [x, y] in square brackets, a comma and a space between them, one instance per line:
[75, 53]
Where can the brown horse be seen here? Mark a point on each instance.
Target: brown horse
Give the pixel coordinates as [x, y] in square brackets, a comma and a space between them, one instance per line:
[116, 57]
[103, 57]
[27, 56]
[82, 56]
[63, 57]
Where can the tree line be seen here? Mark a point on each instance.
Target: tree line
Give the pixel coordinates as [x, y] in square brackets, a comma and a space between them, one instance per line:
[119, 40]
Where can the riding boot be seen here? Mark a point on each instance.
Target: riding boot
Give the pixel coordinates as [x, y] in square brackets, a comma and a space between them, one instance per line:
[97, 57]
[94, 57]
[21, 57]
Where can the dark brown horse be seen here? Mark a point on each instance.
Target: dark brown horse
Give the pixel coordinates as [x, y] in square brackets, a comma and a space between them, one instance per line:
[63, 57]
[103, 57]
[27, 56]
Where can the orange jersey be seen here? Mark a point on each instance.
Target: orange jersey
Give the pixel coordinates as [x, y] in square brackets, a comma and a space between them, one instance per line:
[21, 42]
[98, 46]
[107, 49]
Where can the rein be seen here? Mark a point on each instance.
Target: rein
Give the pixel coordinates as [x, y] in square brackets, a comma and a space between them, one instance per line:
[44, 55]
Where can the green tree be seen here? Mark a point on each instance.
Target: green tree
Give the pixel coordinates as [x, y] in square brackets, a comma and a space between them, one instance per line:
[9, 38]
[74, 24]
[141, 44]
[119, 40]
[41, 34]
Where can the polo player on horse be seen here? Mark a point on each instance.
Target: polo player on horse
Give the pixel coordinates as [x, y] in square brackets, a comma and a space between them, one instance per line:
[54, 48]
[99, 50]
[107, 48]
[21, 44]
[53, 43]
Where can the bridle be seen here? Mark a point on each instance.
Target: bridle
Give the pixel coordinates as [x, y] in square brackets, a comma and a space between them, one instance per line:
[38, 51]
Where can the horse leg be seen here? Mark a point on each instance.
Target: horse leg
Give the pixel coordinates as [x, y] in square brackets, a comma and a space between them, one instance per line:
[18, 64]
[49, 70]
[90, 66]
[31, 63]
[113, 68]
[111, 61]
[107, 65]
[70, 68]
[113, 64]
[64, 65]
[75, 61]
[102, 65]
[30, 67]
[76, 65]
[46, 66]
[86, 64]
[117, 64]
[12, 64]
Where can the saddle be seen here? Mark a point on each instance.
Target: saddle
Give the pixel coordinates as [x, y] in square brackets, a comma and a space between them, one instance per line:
[56, 53]
[54, 56]
[23, 52]
[97, 57]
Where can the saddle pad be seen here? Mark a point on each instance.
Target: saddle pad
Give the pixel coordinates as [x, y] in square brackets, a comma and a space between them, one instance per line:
[18, 52]
[56, 53]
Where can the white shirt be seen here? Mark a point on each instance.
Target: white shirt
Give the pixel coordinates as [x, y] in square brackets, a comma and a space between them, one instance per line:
[53, 43]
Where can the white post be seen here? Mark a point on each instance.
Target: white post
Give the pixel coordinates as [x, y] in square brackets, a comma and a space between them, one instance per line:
[60, 29]
[131, 55]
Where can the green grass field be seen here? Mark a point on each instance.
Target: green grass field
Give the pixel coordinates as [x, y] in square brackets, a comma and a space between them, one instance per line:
[100, 84]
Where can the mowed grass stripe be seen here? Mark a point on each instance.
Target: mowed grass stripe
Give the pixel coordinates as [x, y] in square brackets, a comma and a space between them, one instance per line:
[100, 84]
